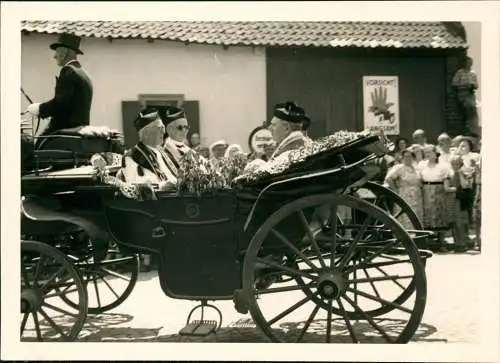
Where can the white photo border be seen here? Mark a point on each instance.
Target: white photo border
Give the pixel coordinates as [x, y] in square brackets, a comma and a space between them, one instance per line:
[12, 13]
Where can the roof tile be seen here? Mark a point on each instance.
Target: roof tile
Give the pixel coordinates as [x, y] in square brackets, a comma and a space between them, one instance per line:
[315, 34]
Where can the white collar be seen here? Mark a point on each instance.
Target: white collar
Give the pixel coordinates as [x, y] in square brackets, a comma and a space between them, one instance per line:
[176, 143]
[71, 61]
[152, 148]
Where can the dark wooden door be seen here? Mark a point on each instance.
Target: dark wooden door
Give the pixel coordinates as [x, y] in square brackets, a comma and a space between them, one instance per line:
[130, 109]
[328, 84]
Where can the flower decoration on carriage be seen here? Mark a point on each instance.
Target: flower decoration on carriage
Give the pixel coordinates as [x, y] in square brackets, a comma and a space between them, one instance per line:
[286, 161]
[198, 175]
[99, 164]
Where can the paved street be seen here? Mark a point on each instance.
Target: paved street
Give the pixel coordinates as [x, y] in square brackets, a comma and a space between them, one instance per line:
[148, 315]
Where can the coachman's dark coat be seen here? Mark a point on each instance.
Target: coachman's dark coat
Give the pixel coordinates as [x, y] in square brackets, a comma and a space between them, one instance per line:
[71, 104]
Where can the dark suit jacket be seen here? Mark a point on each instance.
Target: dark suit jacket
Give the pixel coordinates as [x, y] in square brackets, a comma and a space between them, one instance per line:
[71, 104]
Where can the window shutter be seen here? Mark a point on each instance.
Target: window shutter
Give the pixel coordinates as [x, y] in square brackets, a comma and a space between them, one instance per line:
[192, 109]
[130, 109]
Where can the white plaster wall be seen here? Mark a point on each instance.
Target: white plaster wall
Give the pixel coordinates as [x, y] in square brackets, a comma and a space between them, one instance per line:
[473, 31]
[229, 84]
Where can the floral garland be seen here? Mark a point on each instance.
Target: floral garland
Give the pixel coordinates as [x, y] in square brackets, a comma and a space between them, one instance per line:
[281, 164]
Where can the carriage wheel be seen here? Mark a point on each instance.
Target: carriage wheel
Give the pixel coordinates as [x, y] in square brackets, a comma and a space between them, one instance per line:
[391, 202]
[109, 282]
[397, 207]
[47, 275]
[340, 286]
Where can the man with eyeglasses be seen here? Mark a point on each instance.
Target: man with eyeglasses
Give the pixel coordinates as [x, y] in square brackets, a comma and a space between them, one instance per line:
[177, 128]
[146, 162]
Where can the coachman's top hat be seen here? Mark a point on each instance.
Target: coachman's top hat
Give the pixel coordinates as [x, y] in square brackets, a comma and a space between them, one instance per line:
[69, 41]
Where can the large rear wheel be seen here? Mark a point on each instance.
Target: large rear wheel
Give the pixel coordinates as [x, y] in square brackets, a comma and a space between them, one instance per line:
[357, 272]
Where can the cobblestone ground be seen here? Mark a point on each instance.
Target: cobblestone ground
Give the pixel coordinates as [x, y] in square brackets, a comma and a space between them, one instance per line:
[148, 315]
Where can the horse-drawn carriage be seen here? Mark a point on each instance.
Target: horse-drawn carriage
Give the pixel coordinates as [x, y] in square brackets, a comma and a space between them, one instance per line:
[253, 244]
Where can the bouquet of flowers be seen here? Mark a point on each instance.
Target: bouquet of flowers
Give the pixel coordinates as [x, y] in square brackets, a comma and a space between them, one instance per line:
[197, 175]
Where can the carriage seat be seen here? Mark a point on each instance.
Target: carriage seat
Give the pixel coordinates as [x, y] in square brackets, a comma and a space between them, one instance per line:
[74, 146]
[89, 132]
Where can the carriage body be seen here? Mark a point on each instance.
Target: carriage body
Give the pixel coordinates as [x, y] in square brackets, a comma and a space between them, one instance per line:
[202, 240]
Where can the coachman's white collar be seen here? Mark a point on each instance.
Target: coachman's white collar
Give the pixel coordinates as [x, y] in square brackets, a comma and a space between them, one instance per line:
[71, 61]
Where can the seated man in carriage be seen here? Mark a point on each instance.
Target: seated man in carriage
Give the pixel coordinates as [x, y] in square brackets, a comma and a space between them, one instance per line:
[288, 127]
[147, 162]
[177, 128]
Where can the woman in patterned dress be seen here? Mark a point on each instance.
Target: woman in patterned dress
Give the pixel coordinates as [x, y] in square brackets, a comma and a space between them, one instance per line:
[405, 180]
[434, 174]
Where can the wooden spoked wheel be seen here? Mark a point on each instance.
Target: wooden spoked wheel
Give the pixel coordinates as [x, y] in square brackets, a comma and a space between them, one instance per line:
[109, 282]
[399, 209]
[46, 277]
[357, 272]
[393, 204]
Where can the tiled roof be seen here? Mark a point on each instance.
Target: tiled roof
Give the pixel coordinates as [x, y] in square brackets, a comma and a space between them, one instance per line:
[265, 34]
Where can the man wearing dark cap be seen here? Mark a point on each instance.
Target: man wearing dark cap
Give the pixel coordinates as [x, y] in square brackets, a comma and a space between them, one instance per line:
[146, 162]
[288, 126]
[71, 104]
[175, 121]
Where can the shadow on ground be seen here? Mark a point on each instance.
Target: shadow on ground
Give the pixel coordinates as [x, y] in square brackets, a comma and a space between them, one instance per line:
[102, 328]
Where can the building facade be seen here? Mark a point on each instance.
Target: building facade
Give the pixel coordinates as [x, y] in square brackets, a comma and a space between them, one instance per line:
[230, 75]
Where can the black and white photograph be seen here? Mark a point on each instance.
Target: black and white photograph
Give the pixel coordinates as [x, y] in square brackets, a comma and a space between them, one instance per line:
[287, 176]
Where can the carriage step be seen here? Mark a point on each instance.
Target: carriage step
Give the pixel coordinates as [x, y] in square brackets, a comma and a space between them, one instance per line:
[199, 328]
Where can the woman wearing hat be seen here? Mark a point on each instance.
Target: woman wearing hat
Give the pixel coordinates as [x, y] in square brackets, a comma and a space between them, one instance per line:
[217, 151]
[71, 104]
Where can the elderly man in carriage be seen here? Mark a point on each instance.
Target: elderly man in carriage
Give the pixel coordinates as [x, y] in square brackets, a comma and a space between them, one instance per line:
[176, 127]
[288, 127]
[147, 162]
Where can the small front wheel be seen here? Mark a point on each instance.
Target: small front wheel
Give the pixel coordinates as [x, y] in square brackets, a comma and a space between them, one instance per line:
[47, 277]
